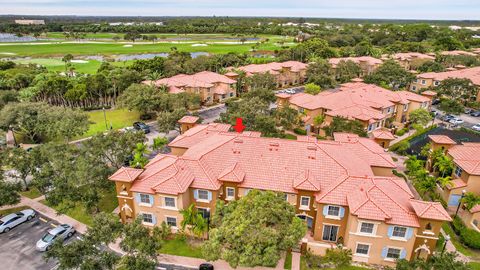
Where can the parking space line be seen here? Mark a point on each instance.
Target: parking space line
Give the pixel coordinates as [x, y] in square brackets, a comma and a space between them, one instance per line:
[42, 219]
[53, 225]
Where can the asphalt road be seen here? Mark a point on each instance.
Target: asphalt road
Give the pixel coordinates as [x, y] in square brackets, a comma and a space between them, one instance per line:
[469, 120]
[17, 247]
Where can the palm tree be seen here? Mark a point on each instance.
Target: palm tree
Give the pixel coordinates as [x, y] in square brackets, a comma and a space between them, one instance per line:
[470, 200]
[139, 159]
[413, 164]
[444, 181]
[197, 224]
[444, 165]
[427, 185]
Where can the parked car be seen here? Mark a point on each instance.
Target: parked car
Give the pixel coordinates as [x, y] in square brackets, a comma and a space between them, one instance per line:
[448, 117]
[468, 110]
[456, 121]
[476, 113]
[63, 232]
[435, 101]
[206, 266]
[12, 220]
[476, 127]
[290, 91]
[141, 126]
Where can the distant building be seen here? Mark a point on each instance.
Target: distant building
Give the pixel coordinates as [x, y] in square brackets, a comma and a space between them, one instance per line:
[30, 22]
[411, 60]
[368, 64]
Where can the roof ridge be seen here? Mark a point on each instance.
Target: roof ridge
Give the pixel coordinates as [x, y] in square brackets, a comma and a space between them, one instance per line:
[378, 206]
[347, 176]
[205, 171]
[386, 194]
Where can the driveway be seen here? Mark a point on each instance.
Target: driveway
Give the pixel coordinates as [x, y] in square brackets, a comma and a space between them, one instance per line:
[469, 120]
[17, 248]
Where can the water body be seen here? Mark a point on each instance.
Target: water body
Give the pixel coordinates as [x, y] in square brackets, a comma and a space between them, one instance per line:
[141, 56]
[4, 37]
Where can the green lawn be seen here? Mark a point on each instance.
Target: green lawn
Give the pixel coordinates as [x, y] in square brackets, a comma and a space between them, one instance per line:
[108, 203]
[12, 210]
[458, 245]
[303, 266]
[288, 261]
[180, 247]
[56, 64]
[474, 265]
[32, 193]
[109, 48]
[118, 118]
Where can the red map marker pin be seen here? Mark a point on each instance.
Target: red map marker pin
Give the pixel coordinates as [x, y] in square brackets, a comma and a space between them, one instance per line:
[239, 127]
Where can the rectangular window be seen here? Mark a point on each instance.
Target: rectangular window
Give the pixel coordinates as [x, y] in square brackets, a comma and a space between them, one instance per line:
[399, 232]
[231, 94]
[367, 228]
[305, 201]
[333, 211]
[370, 127]
[330, 233]
[393, 253]
[203, 194]
[147, 218]
[172, 221]
[170, 202]
[405, 107]
[362, 249]
[230, 192]
[205, 212]
[145, 198]
[424, 82]
[414, 88]
[285, 196]
[458, 171]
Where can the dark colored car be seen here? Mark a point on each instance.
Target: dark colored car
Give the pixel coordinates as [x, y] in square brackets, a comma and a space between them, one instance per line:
[448, 117]
[436, 101]
[206, 266]
[141, 126]
[475, 113]
[469, 111]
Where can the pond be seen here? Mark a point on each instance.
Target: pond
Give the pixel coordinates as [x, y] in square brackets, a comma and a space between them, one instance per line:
[4, 37]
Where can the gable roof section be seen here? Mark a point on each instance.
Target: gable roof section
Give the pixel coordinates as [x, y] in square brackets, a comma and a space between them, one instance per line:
[204, 79]
[306, 181]
[468, 73]
[382, 134]
[126, 174]
[430, 210]
[232, 173]
[441, 139]
[467, 157]
[198, 133]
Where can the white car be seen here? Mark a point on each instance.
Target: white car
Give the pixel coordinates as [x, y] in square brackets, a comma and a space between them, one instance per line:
[12, 220]
[290, 91]
[62, 232]
[456, 121]
[476, 127]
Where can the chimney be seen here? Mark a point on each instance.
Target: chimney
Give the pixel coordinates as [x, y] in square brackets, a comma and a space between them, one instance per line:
[311, 151]
[273, 146]
[236, 145]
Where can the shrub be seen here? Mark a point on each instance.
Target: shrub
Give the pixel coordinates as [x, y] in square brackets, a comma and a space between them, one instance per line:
[339, 257]
[401, 132]
[400, 147]
[470, 238]
[300, 131]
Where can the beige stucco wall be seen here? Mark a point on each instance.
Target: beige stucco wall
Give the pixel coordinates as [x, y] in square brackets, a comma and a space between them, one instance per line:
[382, 171]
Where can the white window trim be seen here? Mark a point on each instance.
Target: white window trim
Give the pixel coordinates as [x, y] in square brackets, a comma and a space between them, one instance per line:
[228, 198]
[145, 204]
[392, 259]
[374, 230]
[164, 206]
[360, 254]
[140, 203]
[202, 200]
[147, 223]
[176, 221]
[323, 232]
[333, 217]
[399, 238]
[304, 207]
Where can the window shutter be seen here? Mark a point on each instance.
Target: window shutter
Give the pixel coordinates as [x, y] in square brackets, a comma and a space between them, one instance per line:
[154, 219]
[384, 252]
[409, 233]
[137, 197]
[195, 194]
[342, 212]
[325, 210]
[390, 231]
[403, 254]
[209, 196]
[151, 199]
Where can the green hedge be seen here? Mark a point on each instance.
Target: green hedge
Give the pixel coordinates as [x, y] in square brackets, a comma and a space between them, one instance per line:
[300, 131]
[401, 132]
[469, 237]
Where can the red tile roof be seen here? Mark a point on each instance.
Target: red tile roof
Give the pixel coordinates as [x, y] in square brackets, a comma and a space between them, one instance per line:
[475, 209]
[457, 53]
[467, 157]
[468, 73]
[430, 210]
[411, 56]
[361, 59]
[429, 93]
[272, 68]
[456, 183]
[188, 119]
[197, 134]
[126, 174]
[204, 79]
[441, 139]
[382, 134]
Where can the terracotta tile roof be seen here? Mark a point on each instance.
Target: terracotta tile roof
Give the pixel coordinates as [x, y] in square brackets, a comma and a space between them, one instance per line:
[197, 134]
[231, 74]
[411, 56]
[475, 209]
[126, 174]
[457, 53]
[188, 119]
[410, 96]
[441, 139]
[468, 73]
[233, 173]
[429, 93]
[362, 59]
[306, 180]
[456, 183]
[430, 210]
[204, 79]
[283, 95]
[382, 134]
[273, 68]
[467, 157]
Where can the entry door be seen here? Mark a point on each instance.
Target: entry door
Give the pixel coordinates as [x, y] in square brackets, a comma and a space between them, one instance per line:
[454, 200]
[330, 233]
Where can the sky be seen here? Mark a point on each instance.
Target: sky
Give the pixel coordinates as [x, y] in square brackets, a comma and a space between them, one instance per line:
[382, 9]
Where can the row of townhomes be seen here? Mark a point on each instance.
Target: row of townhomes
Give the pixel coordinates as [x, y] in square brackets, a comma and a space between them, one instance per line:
[344, 189]
[376, 107]
[465, 176]
[433, 79]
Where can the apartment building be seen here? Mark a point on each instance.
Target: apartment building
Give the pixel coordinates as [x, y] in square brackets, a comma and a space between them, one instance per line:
[434, 79]
[374, 106]
[411, 60]
[211, 86]
[343, 189]
[286, 74]
[368, 64]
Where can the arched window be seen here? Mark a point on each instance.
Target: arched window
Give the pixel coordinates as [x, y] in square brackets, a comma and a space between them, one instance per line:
[428, 227]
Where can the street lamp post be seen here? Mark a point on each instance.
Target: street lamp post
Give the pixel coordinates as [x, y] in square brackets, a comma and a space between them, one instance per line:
[208, 223]
[105, 118]
[447, 238]
[459, 203]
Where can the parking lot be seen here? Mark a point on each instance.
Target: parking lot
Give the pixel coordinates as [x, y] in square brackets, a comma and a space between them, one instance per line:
[469, 120]
[17, 247]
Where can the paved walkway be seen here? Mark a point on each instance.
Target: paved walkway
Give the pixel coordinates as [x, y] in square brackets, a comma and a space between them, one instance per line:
[295, 261]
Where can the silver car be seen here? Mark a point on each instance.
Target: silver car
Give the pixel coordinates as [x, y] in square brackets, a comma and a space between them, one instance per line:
[62, 232]
[9, 221]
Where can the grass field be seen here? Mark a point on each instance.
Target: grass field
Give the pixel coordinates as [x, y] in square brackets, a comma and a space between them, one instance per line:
[118, 118]
[12, 210]
[109, 48]
[288, 261]
[32, 193]
[56, 64]
[180, 247]
[108, 203]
